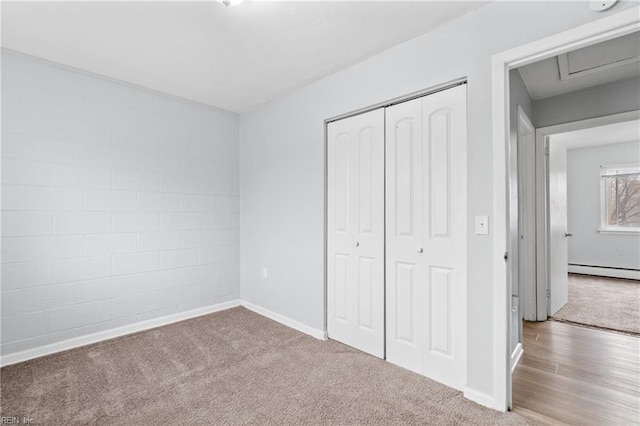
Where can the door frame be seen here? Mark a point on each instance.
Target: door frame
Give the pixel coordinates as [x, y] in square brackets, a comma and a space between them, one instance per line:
[543, 135]
[606, 28]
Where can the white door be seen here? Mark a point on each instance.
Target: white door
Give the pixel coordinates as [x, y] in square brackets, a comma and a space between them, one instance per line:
[426, 235]
[404, 212]
[527, 219]
[558, 233]
[355, 240]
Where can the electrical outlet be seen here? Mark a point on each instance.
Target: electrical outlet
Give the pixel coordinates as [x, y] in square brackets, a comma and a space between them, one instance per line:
[265, 273]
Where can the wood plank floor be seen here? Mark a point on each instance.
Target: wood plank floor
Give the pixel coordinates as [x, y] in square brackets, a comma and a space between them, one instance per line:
[576, 375]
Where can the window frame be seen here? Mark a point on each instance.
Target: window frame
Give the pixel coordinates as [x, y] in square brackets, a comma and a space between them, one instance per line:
[605, 228]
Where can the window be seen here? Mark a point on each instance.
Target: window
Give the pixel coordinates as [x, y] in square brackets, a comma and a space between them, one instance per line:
[620, 189]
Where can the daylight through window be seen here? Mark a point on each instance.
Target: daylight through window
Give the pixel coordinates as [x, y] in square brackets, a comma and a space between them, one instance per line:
[621, 196]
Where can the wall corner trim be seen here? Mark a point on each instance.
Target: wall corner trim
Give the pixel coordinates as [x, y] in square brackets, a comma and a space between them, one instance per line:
[296, 325]
[481, 398]
[76, 342]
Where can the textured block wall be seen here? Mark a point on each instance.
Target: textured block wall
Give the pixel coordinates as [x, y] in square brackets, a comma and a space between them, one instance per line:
[118, 204]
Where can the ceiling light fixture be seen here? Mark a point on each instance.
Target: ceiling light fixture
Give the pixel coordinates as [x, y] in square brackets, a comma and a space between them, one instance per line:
[228, 3]
[602, 5]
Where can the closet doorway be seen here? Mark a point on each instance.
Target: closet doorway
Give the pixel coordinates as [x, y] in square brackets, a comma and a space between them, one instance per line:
[397, 233]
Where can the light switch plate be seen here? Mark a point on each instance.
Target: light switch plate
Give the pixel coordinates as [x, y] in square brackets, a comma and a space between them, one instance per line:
[482, 225]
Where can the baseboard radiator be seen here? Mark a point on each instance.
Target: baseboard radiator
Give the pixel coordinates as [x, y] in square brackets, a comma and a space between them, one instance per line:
[604, 271]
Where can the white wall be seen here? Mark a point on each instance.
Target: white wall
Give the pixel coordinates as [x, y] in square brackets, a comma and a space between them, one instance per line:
[588, 247]
[119, 204]
[518, 96]
[606, 99]
[282, 160]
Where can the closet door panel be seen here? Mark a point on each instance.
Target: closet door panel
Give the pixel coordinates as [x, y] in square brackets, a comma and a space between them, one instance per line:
[341, 277]
[397, 213]
[404, 273]
[445, 248]
[404, 141]
[403, 315]
[366, 274]
[340, 256]
[368, 196]
[370, 166]
[340, 184]
[357, 194]
[439, 166]
[439, 310]
[426, 235]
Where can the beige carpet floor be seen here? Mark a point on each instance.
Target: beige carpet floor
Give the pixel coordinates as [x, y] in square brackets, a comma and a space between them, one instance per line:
[231, 367]
[608, 303]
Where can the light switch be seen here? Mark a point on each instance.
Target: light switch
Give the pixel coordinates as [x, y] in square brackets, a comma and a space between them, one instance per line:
[482, 225]
[265, 273]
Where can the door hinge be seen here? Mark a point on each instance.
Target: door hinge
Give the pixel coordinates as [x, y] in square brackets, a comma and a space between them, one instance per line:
[548, 292]
[546, 150]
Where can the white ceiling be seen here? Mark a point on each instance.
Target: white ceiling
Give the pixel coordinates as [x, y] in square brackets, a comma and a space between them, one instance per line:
[543, 78]
[234, 58]
[627, 131]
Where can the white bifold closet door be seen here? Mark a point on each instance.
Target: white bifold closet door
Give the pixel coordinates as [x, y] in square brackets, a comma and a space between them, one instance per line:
[426, 229]
[355, 225]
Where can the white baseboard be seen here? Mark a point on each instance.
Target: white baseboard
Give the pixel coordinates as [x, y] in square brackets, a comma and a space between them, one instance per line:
[480, 398]
[605, 272]
[314, 332]
[515, 357]
[115, 332]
